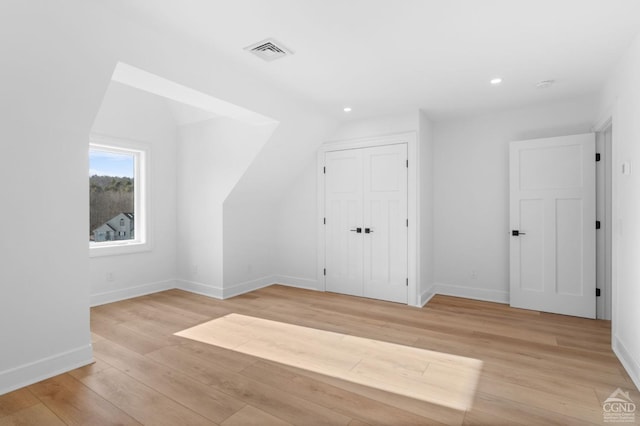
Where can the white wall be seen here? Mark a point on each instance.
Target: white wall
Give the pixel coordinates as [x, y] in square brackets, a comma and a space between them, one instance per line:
[58, 58]
[48, 102]
[471, 198]
[132, 114]
[375, 126]
[296, 236]
[425, 255]
[621, 101]
[271, 202]
[212, 156]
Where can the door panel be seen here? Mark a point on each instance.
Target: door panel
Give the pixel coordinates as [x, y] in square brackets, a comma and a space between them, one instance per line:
[343, 192]
[531, 248]
[385, 213]
[569, 242]
[552, 201]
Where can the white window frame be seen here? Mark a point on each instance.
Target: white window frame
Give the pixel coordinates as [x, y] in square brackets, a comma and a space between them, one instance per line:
[142, 154]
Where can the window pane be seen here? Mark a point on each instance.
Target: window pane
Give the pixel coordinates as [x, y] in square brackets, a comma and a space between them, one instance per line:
[112, 195]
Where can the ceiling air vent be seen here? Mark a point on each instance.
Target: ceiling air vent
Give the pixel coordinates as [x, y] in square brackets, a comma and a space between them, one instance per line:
[269, 50]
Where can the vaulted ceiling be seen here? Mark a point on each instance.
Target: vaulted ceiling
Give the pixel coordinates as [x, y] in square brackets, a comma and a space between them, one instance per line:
[393, 56]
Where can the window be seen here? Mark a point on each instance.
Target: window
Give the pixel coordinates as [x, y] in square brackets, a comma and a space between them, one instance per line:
[117, 197]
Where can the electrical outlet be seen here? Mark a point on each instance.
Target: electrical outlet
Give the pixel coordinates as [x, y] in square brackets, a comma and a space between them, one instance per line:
[474, 275]
[110, 276]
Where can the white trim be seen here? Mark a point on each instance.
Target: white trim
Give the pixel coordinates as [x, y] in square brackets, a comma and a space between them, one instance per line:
[603, 122]
[247, 287]
[625, 357]
[427, 295]
[142, 193]
[408, 138]
[297, 282]
[33, 372]
[131, 292]
[199, 288]
[498, 296]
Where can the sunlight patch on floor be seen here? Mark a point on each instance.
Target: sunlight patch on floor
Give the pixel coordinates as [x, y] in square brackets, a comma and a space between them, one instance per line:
[435, 377]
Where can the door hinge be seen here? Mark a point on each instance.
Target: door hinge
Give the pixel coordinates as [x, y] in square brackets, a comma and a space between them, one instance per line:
[407, 222]
[324, 170]
[597, 292]
[597, 224]
[407, 163]
[324, 220]
[325, 272]
[597, 156]
[407, 282]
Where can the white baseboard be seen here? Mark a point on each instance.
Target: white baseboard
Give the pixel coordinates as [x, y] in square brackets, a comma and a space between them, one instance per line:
[297, 282]
[33, 372]
[199, 288]
[468, 293]
[626, 359]
[426, 296]
[247, 286]
[130, 292]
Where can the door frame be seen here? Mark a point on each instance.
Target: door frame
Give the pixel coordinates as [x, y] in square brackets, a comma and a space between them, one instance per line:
[605, 207]
[413, 241]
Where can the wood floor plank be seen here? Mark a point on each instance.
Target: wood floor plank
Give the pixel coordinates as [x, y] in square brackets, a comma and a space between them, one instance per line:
[127, 337]
[15, 401]
[277, 402]
[76, 404]
[588, 409]
[141, 402]
[351, 404]
[492, 410]
[433, 414]
[90, 369]
[417, 373]
[252, 416]
[36, 415]
[205, 400]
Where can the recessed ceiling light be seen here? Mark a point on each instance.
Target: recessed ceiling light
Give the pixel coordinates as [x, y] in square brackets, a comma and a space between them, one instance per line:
[347, 109]
[544, 84]
[496, 81]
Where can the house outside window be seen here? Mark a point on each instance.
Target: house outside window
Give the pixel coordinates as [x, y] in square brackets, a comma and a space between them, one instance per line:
[118, 196]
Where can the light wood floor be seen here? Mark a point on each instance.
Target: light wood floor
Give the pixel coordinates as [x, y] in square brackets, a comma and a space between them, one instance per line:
[538, 369]
[435, 377]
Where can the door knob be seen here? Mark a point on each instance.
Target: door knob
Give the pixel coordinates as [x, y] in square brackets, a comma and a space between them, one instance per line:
[358, 230]
[517, 233]
[368, 230]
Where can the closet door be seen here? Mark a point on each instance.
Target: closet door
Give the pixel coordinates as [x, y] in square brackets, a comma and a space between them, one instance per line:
[366, 222]
[343, 215]
[385, 222]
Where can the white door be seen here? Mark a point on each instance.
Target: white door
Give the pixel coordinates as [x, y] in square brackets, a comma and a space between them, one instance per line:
[552, 217]
[385, 219]
[343, 215]
[366, 229]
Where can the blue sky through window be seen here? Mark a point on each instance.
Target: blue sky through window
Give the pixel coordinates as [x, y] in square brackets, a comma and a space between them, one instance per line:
[104, 163]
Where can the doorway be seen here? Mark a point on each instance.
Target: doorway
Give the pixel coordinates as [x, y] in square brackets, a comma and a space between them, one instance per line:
[410, 277]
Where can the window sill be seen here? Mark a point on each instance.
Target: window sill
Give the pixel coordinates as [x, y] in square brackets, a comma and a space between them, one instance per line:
[116, 249]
